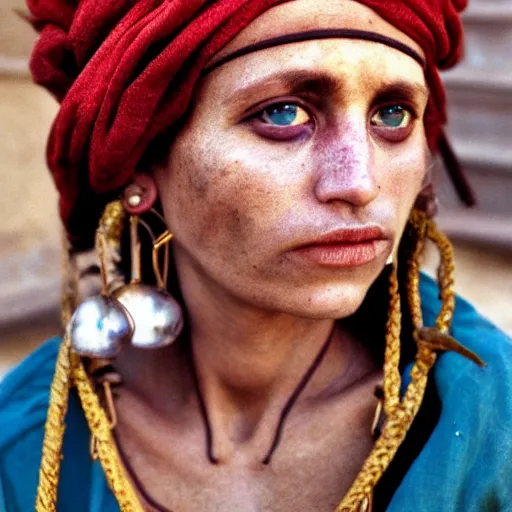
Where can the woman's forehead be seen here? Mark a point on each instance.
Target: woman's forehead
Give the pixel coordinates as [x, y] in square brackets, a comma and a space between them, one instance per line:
[326, 67]
[298, 16]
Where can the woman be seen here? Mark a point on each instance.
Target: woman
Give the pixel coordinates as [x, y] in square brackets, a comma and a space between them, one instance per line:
[286, 146]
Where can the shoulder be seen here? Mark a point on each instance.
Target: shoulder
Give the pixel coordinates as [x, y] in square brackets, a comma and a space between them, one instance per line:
[467, 461]
[24, 396]
[478, 334]
[484, 394]
[24, 393]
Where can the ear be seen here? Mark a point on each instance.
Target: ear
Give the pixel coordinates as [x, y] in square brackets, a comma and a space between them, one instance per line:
[427, 201]
[140, 195]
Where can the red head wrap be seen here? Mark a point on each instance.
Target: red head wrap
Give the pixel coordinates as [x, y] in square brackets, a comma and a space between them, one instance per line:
[125, 70]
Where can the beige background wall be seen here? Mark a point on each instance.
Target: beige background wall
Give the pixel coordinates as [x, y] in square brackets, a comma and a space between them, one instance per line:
[481, 93]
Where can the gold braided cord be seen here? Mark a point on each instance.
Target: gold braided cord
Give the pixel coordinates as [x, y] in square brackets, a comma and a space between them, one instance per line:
[49, 471]
[54, 432]
[401, 413]
[445, 277]
[393, 434]
[426, 356]
[426, 228]
[418, 221]
[105, 447]
[395, 426]
[393, 379]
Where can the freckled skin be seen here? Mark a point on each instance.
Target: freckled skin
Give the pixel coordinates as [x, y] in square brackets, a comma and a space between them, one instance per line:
[251, 200]
[238, 203]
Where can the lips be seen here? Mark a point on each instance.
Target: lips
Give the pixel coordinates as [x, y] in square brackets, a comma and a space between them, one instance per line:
[346, 247]
[348, 236]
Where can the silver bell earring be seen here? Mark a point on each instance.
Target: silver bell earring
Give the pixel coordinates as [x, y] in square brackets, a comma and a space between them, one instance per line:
[100, 325]
[157, 316]
[146, 316]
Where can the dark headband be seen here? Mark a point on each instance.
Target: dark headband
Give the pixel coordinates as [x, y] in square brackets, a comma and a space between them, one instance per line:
[319, 34]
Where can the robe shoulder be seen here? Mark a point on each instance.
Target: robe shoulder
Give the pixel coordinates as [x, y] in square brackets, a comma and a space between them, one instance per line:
[24, 399]
[24, 396]
[467, 462]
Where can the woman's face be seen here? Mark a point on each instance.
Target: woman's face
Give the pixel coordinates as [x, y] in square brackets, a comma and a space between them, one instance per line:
[291, 182]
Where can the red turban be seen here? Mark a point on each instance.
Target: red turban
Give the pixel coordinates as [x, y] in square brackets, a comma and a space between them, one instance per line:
[125, 70]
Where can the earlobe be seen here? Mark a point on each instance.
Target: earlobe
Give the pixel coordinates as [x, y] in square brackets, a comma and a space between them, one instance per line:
[140, 195]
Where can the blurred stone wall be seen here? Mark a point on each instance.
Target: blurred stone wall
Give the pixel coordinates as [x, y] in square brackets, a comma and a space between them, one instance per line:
[480, 125]
[29, 227]
[481, 112]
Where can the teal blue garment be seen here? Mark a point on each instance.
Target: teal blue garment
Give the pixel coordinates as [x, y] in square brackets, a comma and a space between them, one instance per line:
[465, 466]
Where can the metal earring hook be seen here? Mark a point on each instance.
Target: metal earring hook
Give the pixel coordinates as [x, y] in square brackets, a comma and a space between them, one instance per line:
[135, 250]
[162, 241]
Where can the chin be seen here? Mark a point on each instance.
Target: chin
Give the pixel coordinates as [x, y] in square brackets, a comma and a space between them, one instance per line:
[328, 302]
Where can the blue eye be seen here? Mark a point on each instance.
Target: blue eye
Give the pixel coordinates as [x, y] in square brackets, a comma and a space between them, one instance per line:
[393, 116]
[285, 114]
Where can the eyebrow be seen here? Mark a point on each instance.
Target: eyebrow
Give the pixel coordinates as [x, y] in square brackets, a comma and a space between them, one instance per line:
[293, 81]
[321, 84]
[403, 89]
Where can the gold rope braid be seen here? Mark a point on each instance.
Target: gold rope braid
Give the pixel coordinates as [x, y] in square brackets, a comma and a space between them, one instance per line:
[49, 470]
[359, 496]
[445, 276]
[426, 357]
[426, 228]
[392, 380]
[54, 432]
[401, 413]
[105, 447]
[413, 285]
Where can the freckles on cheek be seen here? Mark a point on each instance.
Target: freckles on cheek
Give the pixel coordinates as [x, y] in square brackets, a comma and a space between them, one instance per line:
[185, 200]
[221, 226]
[213, 205]
[195, 175]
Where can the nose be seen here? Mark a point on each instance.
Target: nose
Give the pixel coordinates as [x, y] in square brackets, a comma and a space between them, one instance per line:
[345, 170]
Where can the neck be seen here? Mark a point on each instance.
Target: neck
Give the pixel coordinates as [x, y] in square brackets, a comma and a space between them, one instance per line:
[251, 369]
[253, 365]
